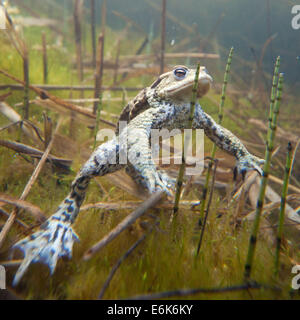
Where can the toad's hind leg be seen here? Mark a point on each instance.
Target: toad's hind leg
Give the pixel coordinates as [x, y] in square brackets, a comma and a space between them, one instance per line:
[55, 238]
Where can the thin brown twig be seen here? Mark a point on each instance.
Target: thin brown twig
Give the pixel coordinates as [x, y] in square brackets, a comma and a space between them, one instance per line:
[109, 205]
[99, 71]
[35, 174]
[46, 95]
[119, 262]
[130, 219]
[21, 204]
[189, 292]
[208, 204]
[33, 152]
[163, 36]
[20, 222]
[50, 87]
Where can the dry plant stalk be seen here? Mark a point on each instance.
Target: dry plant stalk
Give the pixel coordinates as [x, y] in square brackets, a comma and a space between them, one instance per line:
[119, 262]
[93, 31]
[21, 204]
[22, 49]
[189, 292]
[47, 129]
[35, 174]
[117, 62]
[99, 71]
[50, 87]
[129, 220]
[46, 95]
[103, 16]
[33, 152]
[45, 58]
[208, 205]
[163, 36]
[77, 35]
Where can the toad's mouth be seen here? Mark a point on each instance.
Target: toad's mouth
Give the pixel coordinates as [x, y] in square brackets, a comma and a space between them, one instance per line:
[204, 83]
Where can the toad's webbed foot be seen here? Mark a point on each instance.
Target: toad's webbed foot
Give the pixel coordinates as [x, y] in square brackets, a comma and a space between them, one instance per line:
[247, 163]
[166, 179]
[54, 239]
[158, 180]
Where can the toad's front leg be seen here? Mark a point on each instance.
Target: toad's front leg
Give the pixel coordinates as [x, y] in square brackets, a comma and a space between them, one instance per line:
[228, 142]
[141, 166]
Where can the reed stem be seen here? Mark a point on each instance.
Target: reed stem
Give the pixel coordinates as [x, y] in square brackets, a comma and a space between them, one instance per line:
[273, 92]
[282, 206]
[214, 148]
[263, 184]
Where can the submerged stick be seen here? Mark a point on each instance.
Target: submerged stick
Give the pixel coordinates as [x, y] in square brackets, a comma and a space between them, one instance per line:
[119, 262]
[117, 62]
[103, 16]
[45, 58]
[18, 221]
[50, 87]
[26, 83]
[47, 129]
[263, 184]
[99, 107]
[130, 219]
[46, 95]
[99, 70]
[214, 148]
[93, 31]
[208, 206]
[77, 36]
[35, 153]
[9, 222]
[186, 142]
[189, 292]
[287, 173]
[21, 204]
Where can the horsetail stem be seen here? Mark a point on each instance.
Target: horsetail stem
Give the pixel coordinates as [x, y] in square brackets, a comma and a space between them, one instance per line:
[273, 91]
[214, 148]
[282, 205]
[99, 107]
[263, 184]
[186, 141]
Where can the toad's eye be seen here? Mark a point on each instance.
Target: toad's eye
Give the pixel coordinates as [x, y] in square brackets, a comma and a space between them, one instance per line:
[180, 73]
